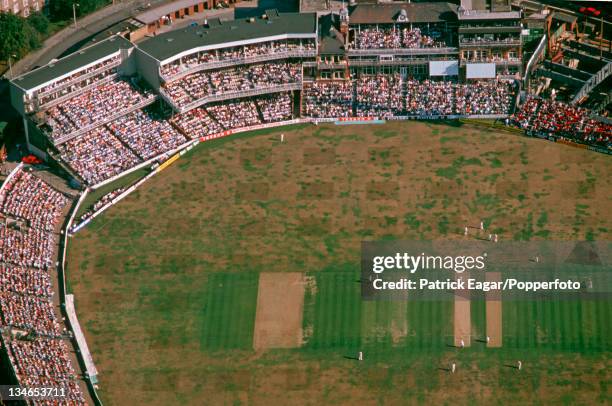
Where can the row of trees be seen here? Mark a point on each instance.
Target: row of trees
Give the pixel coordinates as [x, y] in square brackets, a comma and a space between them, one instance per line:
[19, 35]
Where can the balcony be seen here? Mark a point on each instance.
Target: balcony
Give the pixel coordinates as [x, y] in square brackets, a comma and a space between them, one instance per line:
[403, 51]
[331, 65]
[497, 61]
[231, 95]
[394, 62]
[302, 53]
[487, 43]
[108, 119]
[80, 78]
[83, 89]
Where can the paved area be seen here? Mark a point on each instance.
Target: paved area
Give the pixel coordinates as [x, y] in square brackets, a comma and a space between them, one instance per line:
[86, 27]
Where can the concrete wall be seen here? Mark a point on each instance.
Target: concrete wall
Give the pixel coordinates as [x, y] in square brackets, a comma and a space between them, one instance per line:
[148, 68]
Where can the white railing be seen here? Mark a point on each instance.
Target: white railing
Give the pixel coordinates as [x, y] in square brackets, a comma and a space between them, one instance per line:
[107, 119]
[539, 51]
[402, 51]
[80, 78]
[593, 81]
[240, 94]
[238, 61]
[83, 89]
[490, 43]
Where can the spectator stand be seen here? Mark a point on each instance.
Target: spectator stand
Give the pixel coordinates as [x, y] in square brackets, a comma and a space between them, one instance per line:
[55, 365]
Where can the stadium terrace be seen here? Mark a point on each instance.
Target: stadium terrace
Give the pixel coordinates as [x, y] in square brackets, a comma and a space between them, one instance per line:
[116, 106]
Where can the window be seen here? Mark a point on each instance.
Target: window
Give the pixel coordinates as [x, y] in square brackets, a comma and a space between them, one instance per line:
[512, 54]
[5, 5]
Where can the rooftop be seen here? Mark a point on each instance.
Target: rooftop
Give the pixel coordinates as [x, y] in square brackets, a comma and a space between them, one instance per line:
[415, 12]
[468, 15]
[166, 45]
[55, 69]
[154, 14]
[331, 41]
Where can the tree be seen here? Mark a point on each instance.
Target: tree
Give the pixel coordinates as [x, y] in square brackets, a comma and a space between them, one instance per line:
[40, 23]
[61, 10]
[14, 36]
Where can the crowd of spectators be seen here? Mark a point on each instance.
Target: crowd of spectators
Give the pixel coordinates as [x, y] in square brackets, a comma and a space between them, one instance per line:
[26, 247]
[379, 95]
[208, 83]
[146, 133]
[237, 54]
[93, 106]
[26, 290]
[392, 38]
[430, 97]
[235, 114]
[29, 313]
[25, 281]
[97, 155]
[75, 88]
[107, 198]
[447, 98]
[383, 96]
[563, 120]
[29, 198]
[62, 82]
[197, 123]
[484, 97]
[328, 99]
[229, 115]
[276, 107]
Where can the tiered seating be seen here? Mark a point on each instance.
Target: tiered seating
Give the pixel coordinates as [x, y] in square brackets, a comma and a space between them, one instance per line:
[147, 134]
[29, 313]
[447, 98]
[563, 120]
[92, 106]
[202, 84]
[235, 114]
[328, 99]
[380, 38]
[97, 155]
[197, 123]
[25, 281]
[235, 54]
[379, 96]
[275, 107]
[430, 98]
[28, 197]
[26, 257]
[27, 248]
[494, 97]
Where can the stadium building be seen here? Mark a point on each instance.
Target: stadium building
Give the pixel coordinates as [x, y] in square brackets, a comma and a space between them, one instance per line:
[389, 61]
[119, 105]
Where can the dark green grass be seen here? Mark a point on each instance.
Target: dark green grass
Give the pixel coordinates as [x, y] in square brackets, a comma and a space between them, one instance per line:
[228, 315]
[123, 181]
[342, 321]
[336, 317]
[570, 325]
[478, 310]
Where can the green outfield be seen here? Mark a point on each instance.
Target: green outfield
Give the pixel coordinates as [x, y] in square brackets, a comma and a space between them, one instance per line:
[167, 281]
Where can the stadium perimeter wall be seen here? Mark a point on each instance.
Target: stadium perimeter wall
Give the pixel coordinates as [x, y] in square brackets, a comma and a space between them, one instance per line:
[63, 242]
